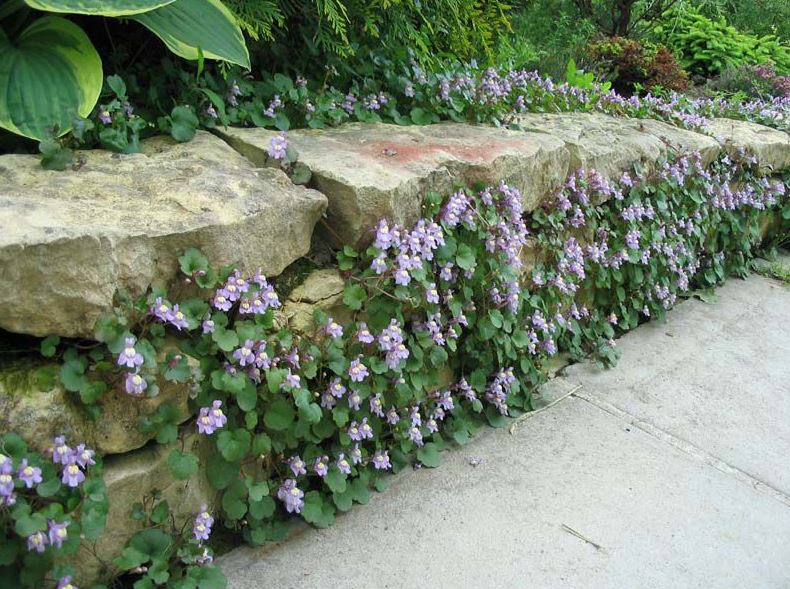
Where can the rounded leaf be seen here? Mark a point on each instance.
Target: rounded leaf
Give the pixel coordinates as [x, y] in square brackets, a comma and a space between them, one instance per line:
[194, 26]
[48, 76]
[97, 7]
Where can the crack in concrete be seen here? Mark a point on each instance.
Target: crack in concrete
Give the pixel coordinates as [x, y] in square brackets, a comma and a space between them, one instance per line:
[682, 445]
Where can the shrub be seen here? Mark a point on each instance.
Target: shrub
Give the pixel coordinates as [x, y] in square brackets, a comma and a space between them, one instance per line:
[750, 81]
[707, 47]
[631, 65]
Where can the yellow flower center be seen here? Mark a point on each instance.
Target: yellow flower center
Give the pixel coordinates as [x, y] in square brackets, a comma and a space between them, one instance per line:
[73, 469]
[28, 470]
[130, 351]
[137, 379]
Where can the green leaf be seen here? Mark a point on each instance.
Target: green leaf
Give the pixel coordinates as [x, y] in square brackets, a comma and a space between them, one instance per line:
[49, 345]
[233, 445]
[465, 257]
[420, 116]
[261, 445]
[193, 260]
[353, 296]
[185, 26]
[161, 513]
[263, 508]
[335, 480]
[49, 75]
[221, 473]
[183, 123]
[182, 465]
[279, 416]
[226, 339]
[429, 455]
[97, 7]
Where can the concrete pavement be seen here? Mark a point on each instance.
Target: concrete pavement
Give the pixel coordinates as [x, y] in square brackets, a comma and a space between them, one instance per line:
[671, 470]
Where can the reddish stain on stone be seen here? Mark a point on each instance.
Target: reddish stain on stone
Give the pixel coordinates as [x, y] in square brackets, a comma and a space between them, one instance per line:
[407, 152]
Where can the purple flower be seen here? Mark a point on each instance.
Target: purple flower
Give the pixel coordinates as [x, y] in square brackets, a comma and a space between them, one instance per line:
[320, 466]
[178, 319]
[336, 388]
[208, 326]
[415, 435]
[432, 426]
[363, 334]
[161, 310]
[6, 485]
[6, 464]
[365, 431]
[353, 431]
[291, 495]
[84, 456]
[72, 475]
[221, 301]
[58, 533]
[333, 329]
[392, 416]
[632, 239]
[354, 400]
[381, 460]
[211, 418]
[297, 465]
[30, 475]
[135, 384]
[431, 294]
[357, 371]
[343, 464]
[201, 528]
[61, 453]
[278, 146]
[244, 354]
[379, 264]
[37, 542]
[210, 111]
[356, 454]
[376, 407]
[292, 380]
[65, 583]
[130, 357]
[104, 115]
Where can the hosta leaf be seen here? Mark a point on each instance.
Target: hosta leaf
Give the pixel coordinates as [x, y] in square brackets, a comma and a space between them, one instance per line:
[186, 25]
[48, 75]
[97, 7]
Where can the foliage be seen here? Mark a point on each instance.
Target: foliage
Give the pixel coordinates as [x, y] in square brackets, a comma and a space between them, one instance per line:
[750, 81]
[707, 47]
[50, 73]
[623, 18]
[48, 506]
[295, 35]
[758, 17]
[632, 65]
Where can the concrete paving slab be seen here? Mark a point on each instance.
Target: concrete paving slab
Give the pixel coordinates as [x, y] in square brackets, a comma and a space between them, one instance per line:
[573, 498]
[669, 471]
[721, 383]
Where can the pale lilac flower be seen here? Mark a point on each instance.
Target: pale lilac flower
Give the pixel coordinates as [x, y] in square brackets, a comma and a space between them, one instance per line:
[72, 475]
[415, 435]
[343, 464]
[104, 115]
[57, 533]
[65, 583]
[161, 310]
[277, 147]
[84, 456]
[291, 495]
[6, 485]
[333, 329]
[292, 381]
[208, 326]
[177, 318]
[296, 465]
[357, 371]
[30, 475]
[37, 541]
[321, 465]
[211, 418]
[245, 354]
[375, 405]
[363, 334]
[356, 454]
[381, 460]
[336, 388]
[201, 528]
[392, 416]
[6, 464]
[135, 384]
[61, 453]
[130, 357]
[354, 400]
[431, 294]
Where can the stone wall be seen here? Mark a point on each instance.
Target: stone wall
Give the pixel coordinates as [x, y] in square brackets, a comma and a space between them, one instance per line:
[73, 243]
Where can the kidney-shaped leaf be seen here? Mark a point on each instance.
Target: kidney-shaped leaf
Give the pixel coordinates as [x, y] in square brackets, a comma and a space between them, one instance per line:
[48, 75]
[186, 25]
[98, 7]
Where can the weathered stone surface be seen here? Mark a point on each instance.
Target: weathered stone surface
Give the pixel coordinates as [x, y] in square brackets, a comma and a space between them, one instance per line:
[612, 145]
[71, 240]
[772, 147]
[132, 478]
[322, 289]
[38, 410]
[369, 172]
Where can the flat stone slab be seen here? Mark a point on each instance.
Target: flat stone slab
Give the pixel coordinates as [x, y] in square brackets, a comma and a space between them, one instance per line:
[369, 172]
[613, 145]
[771, 146]
[715, 375]
[651, 515]
[72, 240]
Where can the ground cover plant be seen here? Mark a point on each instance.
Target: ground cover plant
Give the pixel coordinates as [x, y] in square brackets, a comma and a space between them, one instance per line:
[449, 332]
